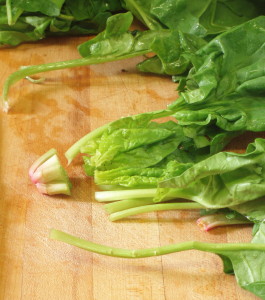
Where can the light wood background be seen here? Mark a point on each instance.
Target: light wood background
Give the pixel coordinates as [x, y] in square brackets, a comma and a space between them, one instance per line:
[55, 114]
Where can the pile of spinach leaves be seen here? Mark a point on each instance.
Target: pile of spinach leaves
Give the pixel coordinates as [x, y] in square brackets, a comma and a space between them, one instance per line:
[215, 50]
[24, 21]
[173, 33]
[222, 95]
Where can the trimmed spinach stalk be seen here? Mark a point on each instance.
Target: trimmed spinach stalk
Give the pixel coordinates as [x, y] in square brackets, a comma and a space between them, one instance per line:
[209, 222]
[49, 176]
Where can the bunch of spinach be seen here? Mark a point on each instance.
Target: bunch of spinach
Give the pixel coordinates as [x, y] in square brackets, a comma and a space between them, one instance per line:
[223, 180]
[215, 50]
[204, 19]
[170, 42]
[135, 152]
[116, 42]
[24, 21]
[222, 96]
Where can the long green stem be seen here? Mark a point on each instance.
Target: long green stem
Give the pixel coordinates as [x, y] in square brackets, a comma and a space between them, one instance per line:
[35, 69]
[151, 208]
[140, 253]
[126, 204]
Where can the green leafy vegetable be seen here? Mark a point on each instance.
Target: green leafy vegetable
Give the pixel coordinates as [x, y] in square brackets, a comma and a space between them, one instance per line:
[204, 17]
[222, 180]
[116, 42]
[107, 46]
[175, 54]
[253, 210]
[172, 53]
[24, 21]
[141, 9]
[222, 91]
[47, 7]
[135, 152]
[227, 76]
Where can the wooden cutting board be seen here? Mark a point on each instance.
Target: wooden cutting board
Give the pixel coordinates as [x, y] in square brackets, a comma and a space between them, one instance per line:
[55, 114]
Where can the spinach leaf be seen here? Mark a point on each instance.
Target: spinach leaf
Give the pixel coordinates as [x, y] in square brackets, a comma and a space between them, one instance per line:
[27, 28]
[171, 53]
[248, 265]
[253, 210]
[222, 180]
[191, 21]
[114, 43]
[116, 40]
[65, 18]
[227, 76]
[47, 7]
[141, 10]
[205, 17]
[83, 9]
[136, 152]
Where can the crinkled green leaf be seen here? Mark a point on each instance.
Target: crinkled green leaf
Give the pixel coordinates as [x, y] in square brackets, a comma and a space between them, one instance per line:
[84, 9]
[253, 210]
[248, 266]
[47, 7]
[222, 180]
[226, 84]
[203, 17]
[66, 18]
[135, 152]
[117, 41]
[171, 53]
[141, 10]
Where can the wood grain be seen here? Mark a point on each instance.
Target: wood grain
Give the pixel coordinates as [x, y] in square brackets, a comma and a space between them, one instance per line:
[55, 114]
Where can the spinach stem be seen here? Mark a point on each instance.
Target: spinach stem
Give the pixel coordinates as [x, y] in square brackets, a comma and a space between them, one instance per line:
[106, 196]
[35, 69]
[151, 208]
[148, 252]
[126, 204]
